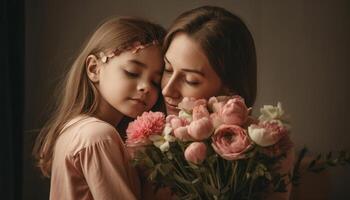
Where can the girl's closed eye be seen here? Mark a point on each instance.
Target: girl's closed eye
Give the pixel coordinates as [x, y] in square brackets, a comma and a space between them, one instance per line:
[156, 81]
[131, 73]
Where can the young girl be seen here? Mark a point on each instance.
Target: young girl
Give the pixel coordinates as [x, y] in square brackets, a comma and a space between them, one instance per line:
[116, 74]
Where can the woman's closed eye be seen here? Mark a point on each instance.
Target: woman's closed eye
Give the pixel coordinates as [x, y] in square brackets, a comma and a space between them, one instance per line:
[191, 80]
[168, 70]
[192, 83]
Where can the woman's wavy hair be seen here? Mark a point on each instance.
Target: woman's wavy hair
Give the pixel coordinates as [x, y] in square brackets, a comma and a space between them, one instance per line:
[227, 43]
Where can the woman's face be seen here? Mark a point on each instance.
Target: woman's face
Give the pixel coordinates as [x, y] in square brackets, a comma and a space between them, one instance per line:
[187, 73]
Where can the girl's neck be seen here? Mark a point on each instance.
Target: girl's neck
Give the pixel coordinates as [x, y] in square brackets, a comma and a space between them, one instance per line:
[108, 114]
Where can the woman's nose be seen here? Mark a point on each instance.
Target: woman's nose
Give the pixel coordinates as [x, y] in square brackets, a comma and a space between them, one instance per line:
[170, 87]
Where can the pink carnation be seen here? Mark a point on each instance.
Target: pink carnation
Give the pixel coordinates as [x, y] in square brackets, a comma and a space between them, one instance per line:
[149, 123]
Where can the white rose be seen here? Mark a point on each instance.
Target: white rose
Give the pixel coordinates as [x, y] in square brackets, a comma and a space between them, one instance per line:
[261, 136]
[269, 112]
[162, 141]
[185, 115]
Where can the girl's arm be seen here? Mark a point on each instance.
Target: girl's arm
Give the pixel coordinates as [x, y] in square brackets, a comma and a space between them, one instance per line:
[105, 165]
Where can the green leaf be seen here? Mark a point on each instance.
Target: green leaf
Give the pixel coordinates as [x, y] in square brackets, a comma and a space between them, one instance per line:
[211, 189]
[181, 179]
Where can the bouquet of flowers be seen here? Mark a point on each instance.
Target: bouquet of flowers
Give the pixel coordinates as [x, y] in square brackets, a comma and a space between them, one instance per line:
[213, 149]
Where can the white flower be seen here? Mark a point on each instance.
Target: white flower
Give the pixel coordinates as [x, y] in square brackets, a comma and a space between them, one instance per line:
[164, 147]
[269, 112]
[185, 115]
[162, 141]
[259, 136]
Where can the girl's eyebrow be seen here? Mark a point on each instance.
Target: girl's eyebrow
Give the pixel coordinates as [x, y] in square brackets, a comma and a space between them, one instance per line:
[186, 69]
[142, 65]
[138, 63]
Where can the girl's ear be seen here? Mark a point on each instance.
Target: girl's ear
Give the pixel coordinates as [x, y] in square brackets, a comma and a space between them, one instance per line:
[93, 68]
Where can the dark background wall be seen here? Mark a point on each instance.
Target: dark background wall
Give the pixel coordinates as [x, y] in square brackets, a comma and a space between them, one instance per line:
[302, 49]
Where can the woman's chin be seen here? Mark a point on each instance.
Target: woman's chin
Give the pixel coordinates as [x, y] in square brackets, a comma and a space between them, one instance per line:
[172, 111]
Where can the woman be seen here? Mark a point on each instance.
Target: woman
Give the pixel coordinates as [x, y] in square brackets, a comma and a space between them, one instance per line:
[209, 52]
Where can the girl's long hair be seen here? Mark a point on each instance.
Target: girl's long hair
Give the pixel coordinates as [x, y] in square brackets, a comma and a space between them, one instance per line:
[78, 95]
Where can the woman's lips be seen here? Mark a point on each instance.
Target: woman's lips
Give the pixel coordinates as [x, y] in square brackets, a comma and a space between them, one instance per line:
[171, 107]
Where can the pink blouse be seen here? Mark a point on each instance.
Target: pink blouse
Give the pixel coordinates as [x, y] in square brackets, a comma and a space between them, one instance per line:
[91, 162]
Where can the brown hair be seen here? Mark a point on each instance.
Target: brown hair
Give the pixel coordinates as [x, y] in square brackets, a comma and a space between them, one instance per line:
[227, 43]
[78, 94]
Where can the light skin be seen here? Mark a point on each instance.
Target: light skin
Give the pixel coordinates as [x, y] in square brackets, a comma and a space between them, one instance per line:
[128, 84]
[187, 73]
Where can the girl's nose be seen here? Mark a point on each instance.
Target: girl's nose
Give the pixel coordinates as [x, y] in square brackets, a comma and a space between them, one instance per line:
[144, 87]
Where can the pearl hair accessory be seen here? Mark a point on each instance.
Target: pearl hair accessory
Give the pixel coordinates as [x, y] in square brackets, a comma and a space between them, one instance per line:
[134, 48]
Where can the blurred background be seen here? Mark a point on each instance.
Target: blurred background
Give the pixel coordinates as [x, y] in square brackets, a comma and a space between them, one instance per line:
[303, 61]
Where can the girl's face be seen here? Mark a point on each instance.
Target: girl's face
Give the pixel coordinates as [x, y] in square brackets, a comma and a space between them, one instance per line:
[187, 73]
[130, 82]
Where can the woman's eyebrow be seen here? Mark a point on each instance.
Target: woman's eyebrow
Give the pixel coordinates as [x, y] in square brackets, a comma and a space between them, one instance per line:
[186, 69]
[193, 71]
[166, 60]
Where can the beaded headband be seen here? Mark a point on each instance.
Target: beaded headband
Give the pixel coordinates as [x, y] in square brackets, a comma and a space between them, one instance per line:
[134, 48]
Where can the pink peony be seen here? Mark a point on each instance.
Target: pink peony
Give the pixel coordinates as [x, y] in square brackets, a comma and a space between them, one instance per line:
[196, 152]
[235, 111]
[230, 142]
[169, 118]
[200, 129]
[267, 133]
[182, 134]
[199, 112]
[216, 119]
[149, 123]
[215, 104]
[177, 122]
[188, 103]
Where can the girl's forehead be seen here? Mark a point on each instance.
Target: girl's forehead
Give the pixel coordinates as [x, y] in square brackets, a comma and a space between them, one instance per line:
[150, 57]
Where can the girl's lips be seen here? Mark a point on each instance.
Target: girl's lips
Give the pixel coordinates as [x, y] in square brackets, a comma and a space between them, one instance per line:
[139, 101]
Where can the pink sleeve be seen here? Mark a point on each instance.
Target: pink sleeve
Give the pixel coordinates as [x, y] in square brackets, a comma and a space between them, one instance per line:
[104, 168]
